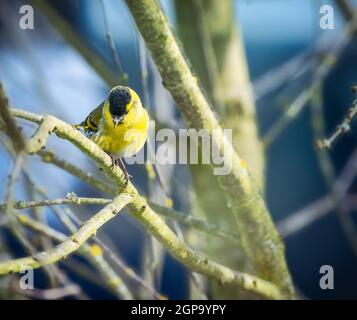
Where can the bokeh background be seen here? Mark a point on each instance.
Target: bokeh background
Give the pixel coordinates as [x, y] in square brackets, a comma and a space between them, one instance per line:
[284, 46]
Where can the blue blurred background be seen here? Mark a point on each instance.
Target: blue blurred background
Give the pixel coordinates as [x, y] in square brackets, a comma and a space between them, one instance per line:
[43, 74]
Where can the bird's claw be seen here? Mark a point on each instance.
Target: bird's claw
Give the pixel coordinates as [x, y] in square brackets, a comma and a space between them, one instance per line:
[114, 161]
[127, 178]
[121, 165]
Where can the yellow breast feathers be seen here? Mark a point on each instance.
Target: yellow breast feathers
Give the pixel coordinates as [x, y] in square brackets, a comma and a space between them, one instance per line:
[120, 124]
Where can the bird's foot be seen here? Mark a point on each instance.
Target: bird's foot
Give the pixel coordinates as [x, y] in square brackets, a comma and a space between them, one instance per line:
[119, 162]
[126, 173]
[114, 161]
[127, 178]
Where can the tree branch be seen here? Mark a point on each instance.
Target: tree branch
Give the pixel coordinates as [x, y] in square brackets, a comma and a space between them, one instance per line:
[166, 212]
[340, 130]
[71, 244]
[261, 241]
[10, 125]
[317, 209]
[188, 219]
[49, 157]
[91, 252]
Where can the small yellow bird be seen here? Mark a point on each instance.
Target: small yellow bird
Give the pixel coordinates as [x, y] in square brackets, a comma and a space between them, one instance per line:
[119, 125]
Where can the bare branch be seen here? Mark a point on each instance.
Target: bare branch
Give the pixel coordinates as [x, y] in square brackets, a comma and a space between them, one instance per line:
[11, 127]
[91, 252]
[319, 208]
[123, 76]
[328, 62]
[166, 212]
[340, 130]
[71, 244]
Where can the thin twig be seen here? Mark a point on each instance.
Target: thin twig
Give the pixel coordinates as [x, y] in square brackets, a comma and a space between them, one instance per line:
[53, 273]
[328, 62]
[50, 294]
[129, 272]
[319, 208]
[341, 130]
[144, 72]
[328, 170]
[92, 253]
[48, 156]
[123, 77]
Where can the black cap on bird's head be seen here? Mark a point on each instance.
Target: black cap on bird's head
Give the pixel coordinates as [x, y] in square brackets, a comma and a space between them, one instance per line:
[119, 98]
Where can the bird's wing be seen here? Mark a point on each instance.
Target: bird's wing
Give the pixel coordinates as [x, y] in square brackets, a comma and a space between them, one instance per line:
[96, 114]
[92, 120]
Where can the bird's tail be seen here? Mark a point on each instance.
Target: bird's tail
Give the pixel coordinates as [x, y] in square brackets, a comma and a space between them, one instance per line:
[80, 125]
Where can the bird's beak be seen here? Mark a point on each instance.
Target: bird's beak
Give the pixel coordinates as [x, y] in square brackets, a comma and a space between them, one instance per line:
[117, 120]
